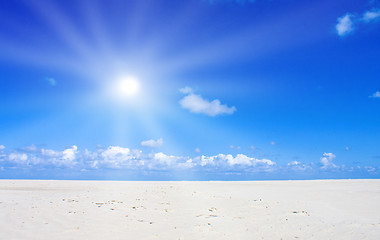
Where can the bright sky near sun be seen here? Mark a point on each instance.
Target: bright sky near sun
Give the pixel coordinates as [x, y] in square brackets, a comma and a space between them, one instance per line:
[189, 90]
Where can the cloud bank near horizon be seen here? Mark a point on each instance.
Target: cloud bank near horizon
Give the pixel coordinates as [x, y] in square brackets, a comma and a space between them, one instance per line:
[122, 158]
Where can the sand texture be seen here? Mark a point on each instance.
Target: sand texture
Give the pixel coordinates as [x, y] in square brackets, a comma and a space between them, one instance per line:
[328, 209]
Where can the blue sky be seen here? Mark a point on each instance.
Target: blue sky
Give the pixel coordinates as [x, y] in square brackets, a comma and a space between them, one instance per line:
[189, 90]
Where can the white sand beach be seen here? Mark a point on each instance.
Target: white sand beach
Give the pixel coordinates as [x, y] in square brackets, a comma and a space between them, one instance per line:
[323, 209]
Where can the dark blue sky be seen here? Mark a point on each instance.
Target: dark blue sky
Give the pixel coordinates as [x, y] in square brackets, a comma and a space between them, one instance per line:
[279, 89]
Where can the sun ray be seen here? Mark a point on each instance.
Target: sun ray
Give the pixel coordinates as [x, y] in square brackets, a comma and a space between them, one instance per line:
[62, 26]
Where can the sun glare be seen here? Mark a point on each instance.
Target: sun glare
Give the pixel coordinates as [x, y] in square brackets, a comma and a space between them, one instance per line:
[126, 87]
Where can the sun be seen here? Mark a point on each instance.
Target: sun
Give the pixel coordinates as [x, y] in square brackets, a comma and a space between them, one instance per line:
[126, 87]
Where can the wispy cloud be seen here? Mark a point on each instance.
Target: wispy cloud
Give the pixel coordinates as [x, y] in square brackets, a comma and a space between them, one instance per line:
[197, 104]
[186, 90]
[235, 147]
[375, 95]
[372, 15]
[51, 81]
[349, 22]
[152, 143]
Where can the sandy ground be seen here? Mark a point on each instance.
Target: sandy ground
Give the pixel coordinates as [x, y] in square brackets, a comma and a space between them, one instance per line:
[331, 209]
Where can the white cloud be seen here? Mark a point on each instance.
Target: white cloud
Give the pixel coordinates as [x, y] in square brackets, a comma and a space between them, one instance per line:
[18, 157]
[235, 147]
[186, 90]
[66, 157]
[347, 148]
[229, 160]
[375, 95]
[69, 154]
[371, 15]
[327, 160]
[370, 169]
[116, 157]
[153, 143]
[273, 143]
[241, 159]
[50, 153]
[345, 25]
[162, 161]
[196, 104]
[165, 159]
[208, 160]
[31, 148]
[2, 155]
[197, 150]
[295, 165]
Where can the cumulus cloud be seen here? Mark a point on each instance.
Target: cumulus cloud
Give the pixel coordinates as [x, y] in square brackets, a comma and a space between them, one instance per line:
[66, 157]
[345, 24]
[295, 165]
[170, 160]
[349, 22]
[32, 156]
[229, 160]
[327, 161]
[197, 150]
[119, 157]
[123, 158]
[197, 104]
[165, 159]
[18, 157]
[2, 147]
[375, 95]
[116, 157]
[153, 143]
[69, 154]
